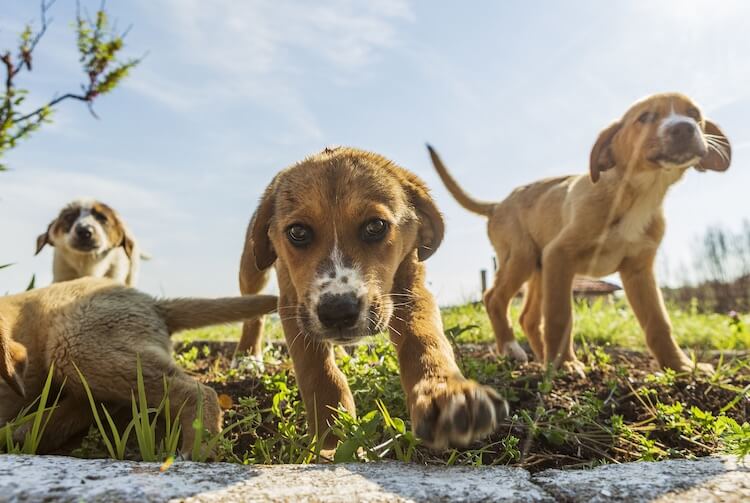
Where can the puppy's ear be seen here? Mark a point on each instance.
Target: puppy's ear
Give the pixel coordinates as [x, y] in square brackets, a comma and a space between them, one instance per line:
[602, 157]
[431, 225]
[43, 239]
[719, 154]
[128, 244]
[263, 250]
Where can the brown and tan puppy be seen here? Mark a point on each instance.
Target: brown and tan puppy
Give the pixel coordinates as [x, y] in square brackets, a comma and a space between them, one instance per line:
[348, 231]
[102, 327]
[609, 221]
[91, 239]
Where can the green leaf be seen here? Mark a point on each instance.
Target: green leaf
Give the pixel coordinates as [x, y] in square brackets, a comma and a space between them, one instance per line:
[346, 451]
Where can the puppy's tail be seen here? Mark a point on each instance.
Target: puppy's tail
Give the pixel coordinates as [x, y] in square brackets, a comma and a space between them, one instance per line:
[464, 199]
[12, 361]
[184, 314]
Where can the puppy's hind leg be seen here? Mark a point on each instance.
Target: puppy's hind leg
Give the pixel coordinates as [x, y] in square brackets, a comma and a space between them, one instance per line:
[118, 380]
[531, 315]
[252, 281]
[71, 416]
[512, 272]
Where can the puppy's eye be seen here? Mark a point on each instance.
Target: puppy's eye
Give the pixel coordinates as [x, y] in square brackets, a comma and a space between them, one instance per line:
[100, 216]
[299, 235]
[647, 117]
[694, 113]
[374, 230]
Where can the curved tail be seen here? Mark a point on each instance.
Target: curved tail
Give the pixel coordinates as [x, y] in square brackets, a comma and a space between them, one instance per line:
[184, 314]
[464, 199]
[12, 361]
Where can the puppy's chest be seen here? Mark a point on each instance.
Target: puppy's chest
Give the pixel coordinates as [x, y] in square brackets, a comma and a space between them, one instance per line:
[628, 235]
[631, 227]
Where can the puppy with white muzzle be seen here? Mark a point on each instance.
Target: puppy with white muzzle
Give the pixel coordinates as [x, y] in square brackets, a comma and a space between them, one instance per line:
[91, 239]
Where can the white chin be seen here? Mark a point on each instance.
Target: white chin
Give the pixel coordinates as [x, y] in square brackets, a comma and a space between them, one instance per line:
[683, 165]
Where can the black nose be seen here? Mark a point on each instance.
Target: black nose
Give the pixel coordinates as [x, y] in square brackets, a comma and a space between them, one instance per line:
[682, 131]
[83, 232]
[338, 311]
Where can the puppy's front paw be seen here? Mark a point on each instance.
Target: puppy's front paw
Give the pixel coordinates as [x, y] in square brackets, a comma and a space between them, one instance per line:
[514, 350]
[251, 364]
[575, 367]
[690, 367]
[454, 412]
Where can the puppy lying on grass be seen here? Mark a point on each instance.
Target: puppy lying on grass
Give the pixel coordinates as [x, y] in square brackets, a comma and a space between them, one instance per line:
[102, 327]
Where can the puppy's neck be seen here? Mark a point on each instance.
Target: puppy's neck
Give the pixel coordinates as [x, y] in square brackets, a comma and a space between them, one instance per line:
[651, 184]
[83, 263]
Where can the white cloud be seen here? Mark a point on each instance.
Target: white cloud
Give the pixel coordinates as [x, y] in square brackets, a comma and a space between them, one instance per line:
[249, 52]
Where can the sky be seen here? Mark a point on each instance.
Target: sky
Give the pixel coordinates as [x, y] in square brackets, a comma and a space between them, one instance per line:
[231, 92]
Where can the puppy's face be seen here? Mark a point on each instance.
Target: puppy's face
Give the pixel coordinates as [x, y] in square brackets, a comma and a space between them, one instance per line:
[85, 227]
[340, 224]
[664, 131]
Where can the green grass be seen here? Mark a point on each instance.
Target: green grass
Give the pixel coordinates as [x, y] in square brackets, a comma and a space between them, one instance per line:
[600, 323]
[272, 331]
[624, 410]
[613, 323]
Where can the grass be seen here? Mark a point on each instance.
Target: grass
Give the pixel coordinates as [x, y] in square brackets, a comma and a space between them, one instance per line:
[624, 410]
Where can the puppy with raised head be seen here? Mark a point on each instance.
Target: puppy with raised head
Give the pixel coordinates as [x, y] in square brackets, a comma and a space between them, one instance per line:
[348, 232]
[609, 221]
[102, 327]
[90, 239]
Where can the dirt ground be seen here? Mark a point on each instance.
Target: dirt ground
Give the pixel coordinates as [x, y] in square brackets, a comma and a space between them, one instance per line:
[619, 412]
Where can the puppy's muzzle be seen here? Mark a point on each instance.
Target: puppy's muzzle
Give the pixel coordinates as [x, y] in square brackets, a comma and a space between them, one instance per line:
[339, 311]
[84, 237]
[682, 143]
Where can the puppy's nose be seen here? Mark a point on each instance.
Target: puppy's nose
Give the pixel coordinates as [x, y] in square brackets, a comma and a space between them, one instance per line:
[682, 131]
[338, 311]
[84, 232]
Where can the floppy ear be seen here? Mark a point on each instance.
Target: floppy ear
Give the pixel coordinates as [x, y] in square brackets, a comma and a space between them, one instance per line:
[263, 250]
[43, 239]
[719, 149]
[128, 244]
[431, 225]
[602, 158]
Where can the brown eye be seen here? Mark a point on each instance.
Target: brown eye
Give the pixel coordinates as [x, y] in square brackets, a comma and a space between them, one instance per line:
[694, 113]
[374, 230]
[299, 235]
[647, 117]
[100, 216]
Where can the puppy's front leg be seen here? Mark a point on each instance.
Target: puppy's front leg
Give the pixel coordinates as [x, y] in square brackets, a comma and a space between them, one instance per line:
[446, 408]
[646, 301]
[322, 385]
[558, 273]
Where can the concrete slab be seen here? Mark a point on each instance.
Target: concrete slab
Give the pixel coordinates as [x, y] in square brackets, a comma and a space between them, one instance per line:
[52, 479]
[703, 480]
[35, 478]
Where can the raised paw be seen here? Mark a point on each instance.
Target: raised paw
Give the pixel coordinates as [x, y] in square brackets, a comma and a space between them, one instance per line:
[455, 412]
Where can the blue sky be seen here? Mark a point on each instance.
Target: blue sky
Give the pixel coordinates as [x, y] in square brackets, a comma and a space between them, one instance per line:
[231, 92]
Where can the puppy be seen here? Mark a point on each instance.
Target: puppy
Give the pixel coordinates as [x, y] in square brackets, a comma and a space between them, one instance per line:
[610, 221]
[91, 239]
[348, 231]
[101, 327]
